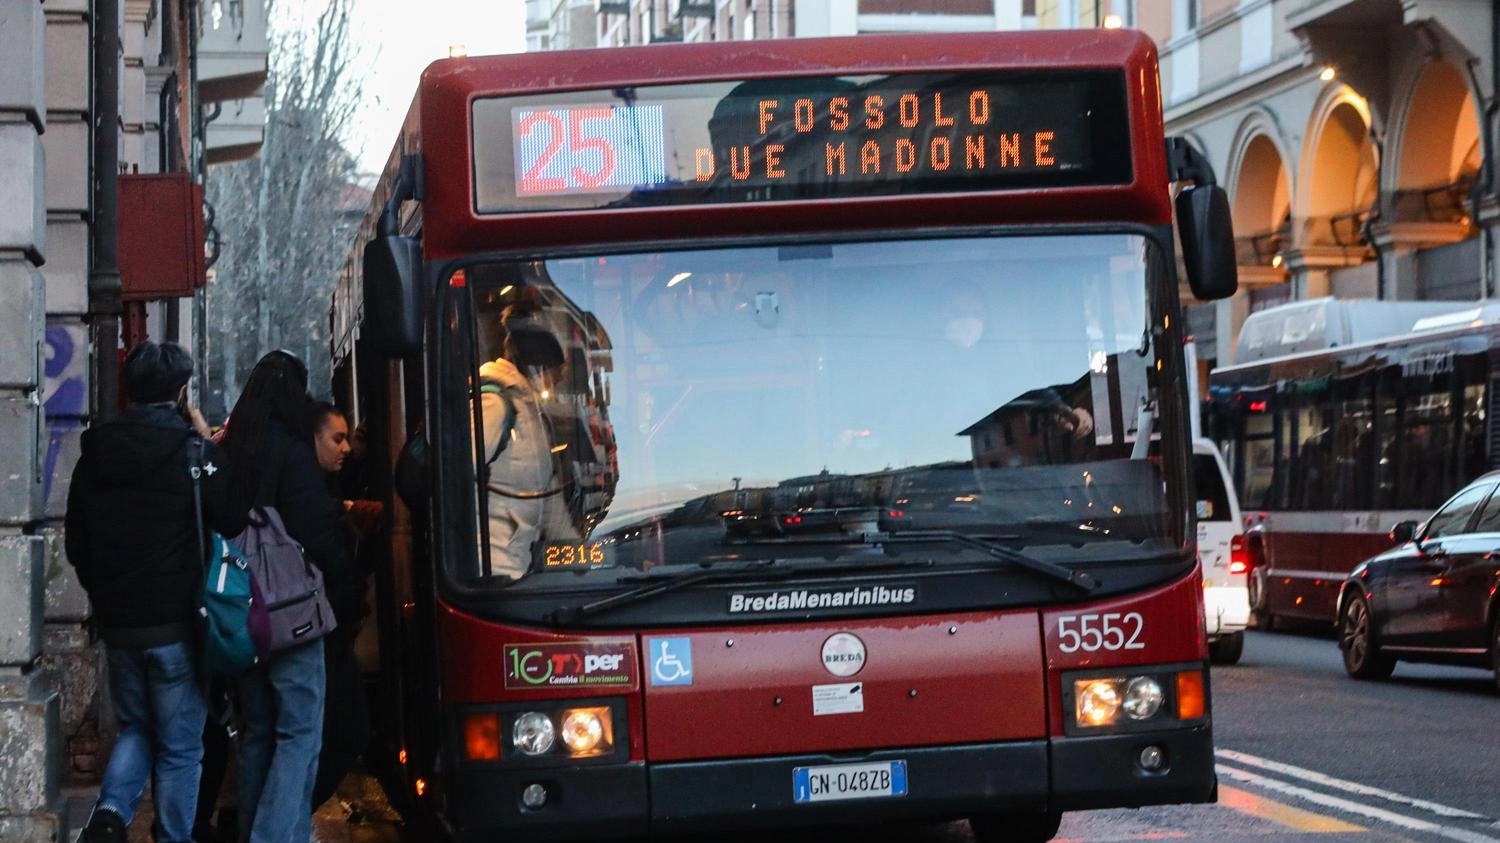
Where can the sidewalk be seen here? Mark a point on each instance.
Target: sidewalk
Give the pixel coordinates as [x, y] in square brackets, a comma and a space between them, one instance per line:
[358, 813]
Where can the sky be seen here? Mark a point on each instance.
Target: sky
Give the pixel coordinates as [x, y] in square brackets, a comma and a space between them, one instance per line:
[402, 37]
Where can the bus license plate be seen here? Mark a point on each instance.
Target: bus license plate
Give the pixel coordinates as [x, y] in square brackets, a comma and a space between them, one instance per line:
[848, 781]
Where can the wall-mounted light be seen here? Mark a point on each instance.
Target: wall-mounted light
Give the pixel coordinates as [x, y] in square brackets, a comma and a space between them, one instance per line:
[1276, 261]
[1328, 73]
[1113, 22]
[457, 51]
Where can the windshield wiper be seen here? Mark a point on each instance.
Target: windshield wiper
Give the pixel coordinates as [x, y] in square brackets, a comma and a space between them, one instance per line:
[988, 543]
[652, 586]
[1077, 579]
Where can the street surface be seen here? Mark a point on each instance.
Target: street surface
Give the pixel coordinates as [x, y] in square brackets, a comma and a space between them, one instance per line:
[1305, 754]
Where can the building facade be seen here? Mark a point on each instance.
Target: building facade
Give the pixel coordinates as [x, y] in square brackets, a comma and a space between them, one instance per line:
[110, 113]
[579, 24]
[1355, 138]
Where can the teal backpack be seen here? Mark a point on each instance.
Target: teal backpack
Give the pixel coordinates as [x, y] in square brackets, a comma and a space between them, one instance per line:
[228, 593]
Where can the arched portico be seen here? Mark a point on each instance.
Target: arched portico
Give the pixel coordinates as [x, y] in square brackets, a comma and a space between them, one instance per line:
[1336, 191]
[1436, 155]
[1261, 202]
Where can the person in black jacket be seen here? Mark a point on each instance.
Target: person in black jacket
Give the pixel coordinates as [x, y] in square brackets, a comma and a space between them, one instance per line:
[134, 539]
[346, 719]
[281, 700]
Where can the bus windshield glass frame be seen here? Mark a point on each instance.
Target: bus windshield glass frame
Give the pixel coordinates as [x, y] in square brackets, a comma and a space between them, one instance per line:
[811, 402]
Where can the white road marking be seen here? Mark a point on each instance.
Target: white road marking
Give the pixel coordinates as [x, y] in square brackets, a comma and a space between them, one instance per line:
[1357, 808]
[1346, 785]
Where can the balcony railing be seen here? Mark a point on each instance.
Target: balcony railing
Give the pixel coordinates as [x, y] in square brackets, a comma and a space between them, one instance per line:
[1444, 203]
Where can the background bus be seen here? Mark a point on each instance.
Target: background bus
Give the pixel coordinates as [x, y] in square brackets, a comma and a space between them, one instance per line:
[1341, 419]
[624, 317]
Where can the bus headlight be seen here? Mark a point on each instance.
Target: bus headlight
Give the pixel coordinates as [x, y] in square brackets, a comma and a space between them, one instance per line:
[1098, 701]
[533, 733]
[1143, 698]
[1146, 698]
[585, 731]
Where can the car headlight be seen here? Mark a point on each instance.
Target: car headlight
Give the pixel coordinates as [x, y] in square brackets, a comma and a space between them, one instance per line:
[533, 733]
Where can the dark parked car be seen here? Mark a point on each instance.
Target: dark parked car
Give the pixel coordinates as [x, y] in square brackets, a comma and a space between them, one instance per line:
[1435, 596]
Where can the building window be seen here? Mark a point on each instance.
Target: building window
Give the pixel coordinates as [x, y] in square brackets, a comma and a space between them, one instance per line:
[1192, 14]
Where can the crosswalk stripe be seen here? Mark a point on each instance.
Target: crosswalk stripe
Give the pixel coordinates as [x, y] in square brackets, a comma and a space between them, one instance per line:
[1283, 814]
[1344, 784]
[1356, 808]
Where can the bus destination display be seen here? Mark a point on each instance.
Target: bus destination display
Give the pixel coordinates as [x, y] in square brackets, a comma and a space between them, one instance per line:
[793, 139]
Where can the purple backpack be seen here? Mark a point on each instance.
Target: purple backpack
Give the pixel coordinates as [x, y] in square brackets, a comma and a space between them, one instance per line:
[291, 606]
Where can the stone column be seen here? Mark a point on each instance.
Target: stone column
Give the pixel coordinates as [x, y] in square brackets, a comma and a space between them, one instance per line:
[1397, 243]
[73, 661]
[1309, 268]
[1489, 222]
[28, 706]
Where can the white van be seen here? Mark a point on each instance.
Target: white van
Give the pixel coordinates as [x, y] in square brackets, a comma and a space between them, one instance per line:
[1221, 551]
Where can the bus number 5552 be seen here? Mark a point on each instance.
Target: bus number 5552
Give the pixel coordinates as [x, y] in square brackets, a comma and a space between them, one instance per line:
[1091, 633]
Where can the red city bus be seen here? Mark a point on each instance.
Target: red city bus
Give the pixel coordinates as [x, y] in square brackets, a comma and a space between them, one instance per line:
[765, 417]
[1340, 419]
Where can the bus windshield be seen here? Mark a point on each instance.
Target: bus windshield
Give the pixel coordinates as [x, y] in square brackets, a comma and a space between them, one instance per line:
[815, 401]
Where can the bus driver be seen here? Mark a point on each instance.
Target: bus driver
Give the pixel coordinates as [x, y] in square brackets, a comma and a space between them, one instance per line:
[525, 484]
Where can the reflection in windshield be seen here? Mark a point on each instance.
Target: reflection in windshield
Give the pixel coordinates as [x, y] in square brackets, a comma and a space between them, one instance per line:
[690, 407]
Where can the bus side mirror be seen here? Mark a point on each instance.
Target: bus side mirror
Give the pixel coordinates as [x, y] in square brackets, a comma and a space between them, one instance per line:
[393, 295]
[1403, 532]
[1207, 241]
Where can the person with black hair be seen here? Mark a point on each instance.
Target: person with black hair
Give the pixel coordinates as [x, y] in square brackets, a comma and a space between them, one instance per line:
[346, 718]
[133, 537]
[281, 700]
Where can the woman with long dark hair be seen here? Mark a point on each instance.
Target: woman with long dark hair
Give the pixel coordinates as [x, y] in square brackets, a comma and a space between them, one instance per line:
[281, 699]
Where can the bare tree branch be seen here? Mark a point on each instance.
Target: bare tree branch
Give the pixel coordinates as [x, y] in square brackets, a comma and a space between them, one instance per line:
[283, 216]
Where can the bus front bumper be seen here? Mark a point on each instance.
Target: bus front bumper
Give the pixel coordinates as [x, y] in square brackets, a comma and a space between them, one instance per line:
[944, 783]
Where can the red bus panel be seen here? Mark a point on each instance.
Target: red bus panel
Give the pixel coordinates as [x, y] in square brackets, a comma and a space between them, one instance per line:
[924, 681]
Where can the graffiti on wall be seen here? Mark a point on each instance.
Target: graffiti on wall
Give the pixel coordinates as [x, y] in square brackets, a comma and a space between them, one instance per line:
[65, 406]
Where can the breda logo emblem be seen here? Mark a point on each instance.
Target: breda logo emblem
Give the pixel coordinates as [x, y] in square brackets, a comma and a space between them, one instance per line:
[843, 654]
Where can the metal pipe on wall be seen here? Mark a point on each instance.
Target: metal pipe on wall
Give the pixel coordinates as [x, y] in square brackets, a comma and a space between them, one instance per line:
[104, 268]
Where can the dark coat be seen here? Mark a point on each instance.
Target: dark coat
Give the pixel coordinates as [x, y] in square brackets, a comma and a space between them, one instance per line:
[131, 531]
[292, 481]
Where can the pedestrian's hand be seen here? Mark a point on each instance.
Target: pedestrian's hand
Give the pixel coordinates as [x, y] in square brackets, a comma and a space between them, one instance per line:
[199, 425]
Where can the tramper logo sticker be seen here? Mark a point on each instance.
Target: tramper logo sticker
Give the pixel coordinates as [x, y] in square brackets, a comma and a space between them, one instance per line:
[600, 664]
[843, 654]
[796, 600]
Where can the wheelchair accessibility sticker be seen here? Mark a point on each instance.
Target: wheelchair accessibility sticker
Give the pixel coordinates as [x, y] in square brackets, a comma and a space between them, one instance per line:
[671, 661]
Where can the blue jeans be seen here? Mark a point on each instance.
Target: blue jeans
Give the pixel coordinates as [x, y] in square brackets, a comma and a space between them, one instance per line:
[160, 706]
[281, 702]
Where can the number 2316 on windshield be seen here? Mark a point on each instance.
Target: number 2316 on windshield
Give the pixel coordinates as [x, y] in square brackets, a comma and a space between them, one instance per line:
[558, 556]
